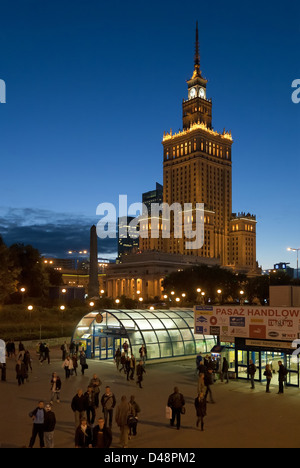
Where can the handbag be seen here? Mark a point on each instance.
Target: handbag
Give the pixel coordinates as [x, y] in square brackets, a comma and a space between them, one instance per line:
[182, 410]
[168, 412]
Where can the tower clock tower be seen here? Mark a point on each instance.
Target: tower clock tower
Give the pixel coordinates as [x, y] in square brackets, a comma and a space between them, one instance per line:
[197, 109]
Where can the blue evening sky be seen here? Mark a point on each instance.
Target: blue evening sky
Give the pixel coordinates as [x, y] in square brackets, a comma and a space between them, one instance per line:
[92, 85]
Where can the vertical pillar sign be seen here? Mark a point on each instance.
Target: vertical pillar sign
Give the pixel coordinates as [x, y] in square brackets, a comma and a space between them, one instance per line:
[2, 352]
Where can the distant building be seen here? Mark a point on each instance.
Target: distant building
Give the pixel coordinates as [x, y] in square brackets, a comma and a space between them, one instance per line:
[127, 243]
[153, 196]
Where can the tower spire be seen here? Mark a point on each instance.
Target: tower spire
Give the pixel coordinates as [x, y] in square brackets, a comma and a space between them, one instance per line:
[197, 71]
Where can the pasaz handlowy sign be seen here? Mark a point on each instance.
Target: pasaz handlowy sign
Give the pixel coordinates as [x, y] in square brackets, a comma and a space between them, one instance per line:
[282, 323]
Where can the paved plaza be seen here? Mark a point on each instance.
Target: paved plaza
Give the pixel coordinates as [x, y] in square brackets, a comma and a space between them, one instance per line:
[240, 417]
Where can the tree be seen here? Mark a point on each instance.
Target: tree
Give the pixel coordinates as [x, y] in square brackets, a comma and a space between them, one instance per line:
[8, 273]
[208, 279]
[33, 275]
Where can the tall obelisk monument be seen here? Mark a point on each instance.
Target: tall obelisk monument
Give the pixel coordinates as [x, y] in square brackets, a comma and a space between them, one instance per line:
[93, 291]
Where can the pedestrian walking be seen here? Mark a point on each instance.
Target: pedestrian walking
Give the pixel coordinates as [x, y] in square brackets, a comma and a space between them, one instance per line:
[118, 358]
[82, 362]
[27, 361]
[176, 402]
[47, 353]
[201, 374]
[200, 405]
[68, 366]
[38, 417]
[132, 367]
[78, 406]
[102, 436]
[64, 350]
[122, 413]
[55, 388]
[90, 405]
[21, 373]
[10, 348]
[108, 402]
[268, 374]
[251, 373]
[140, 370]
[83, 435]
[125, 347]
[143, 353]
[133, 416]
[123, 363]
[95, 383]
[224, 371]
[49, 426]
[208, 382]
[127, 367]
[282, 373]
[75, 363]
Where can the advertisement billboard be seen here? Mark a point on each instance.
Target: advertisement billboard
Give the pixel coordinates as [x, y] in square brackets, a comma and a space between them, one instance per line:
[255, 322]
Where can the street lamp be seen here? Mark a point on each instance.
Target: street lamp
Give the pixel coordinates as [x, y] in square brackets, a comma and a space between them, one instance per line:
[242, 295]
[30, 309]
[291, 249]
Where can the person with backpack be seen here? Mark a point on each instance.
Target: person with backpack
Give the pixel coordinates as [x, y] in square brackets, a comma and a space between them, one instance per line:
[133, 416]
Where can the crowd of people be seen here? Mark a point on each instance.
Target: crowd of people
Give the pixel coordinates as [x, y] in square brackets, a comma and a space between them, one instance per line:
[96, 411]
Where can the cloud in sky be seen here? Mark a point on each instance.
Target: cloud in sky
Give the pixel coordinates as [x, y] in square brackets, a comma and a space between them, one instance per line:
[53, 234]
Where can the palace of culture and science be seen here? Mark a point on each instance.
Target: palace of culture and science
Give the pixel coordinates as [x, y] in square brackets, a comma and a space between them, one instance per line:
[197, 169]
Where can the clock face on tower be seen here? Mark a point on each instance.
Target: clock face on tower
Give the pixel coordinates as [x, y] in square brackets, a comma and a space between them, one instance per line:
[201, 93]
[192, 93]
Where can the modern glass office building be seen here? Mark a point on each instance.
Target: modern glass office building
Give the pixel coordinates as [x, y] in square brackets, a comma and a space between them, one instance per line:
[166, 334]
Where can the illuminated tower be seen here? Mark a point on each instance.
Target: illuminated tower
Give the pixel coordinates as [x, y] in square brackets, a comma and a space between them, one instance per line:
[197, 169]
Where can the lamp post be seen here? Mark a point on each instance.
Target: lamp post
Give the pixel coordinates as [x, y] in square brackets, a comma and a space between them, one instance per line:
[219, 292]
[23, 291]
[291, 249]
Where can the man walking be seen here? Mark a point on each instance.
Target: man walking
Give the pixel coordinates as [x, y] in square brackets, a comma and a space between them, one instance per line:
[49, 426]
[176, 403]
[282, 373]
[108, 402]
[79, 406]
[251, 373]
[38, 417]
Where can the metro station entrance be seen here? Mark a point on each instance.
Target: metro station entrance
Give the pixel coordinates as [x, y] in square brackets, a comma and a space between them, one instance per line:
[245, 353]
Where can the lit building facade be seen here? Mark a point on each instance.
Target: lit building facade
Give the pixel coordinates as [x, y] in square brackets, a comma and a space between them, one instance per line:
[197, 169]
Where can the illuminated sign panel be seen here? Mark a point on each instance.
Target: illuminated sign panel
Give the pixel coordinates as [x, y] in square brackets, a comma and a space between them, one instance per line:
[263, 323]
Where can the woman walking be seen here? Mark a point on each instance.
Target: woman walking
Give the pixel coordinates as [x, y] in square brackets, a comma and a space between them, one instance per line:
[200, 405]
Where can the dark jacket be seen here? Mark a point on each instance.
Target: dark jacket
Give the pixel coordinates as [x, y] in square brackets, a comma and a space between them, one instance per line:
[251, 369]
[49, 421]
[176, 400]
[106, 439]
[208, 379]
[83, 439]
[140, 371]
[282, 373]
[200, 406]
[225, 366]
[79, 403]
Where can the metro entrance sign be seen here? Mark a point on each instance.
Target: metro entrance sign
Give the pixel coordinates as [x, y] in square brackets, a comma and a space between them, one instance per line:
[262, 323]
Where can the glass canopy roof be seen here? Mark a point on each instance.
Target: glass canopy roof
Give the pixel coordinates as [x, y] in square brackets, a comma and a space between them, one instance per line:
[164, 333]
